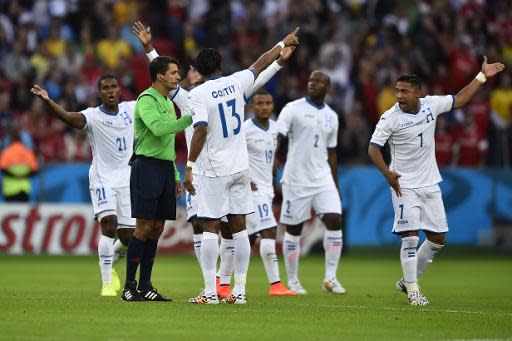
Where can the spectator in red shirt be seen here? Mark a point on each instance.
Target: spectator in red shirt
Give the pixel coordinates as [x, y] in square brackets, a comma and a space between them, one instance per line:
[444, 142]
[470, 145]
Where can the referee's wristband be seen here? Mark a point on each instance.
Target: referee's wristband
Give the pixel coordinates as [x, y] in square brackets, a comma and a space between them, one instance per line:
[152, 55]
[481, 77]
[190, 164]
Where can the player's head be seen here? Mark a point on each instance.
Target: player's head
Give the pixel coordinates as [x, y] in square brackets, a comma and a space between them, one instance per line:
[109, 90]
[263, 104]
[408, 92]
[208, 62]
[164, 70]
[318, 85]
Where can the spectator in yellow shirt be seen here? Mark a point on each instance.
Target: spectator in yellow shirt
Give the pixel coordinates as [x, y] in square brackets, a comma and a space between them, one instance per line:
[111, 49]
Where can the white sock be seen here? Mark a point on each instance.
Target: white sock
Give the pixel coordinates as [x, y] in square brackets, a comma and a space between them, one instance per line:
[209, 255]
[291, 253]
[197, 246]
[241, 260]
[106, 254]
[409, 262]
[426, 254]
[333, 242]
[119, 251]
[269, 258]
[227, 256]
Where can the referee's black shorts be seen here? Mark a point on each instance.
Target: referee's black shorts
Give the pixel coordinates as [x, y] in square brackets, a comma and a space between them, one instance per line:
[153, 189]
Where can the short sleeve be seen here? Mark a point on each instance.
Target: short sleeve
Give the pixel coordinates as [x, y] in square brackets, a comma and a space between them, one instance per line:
[382, 132]
[441, 104]
[180, 98]
[284, 121]
[199, 109]
[88, 116]
[332, 139]
[245, 79]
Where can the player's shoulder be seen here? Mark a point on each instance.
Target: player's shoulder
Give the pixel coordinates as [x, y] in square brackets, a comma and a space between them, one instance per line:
[298, 102]
[392, 113]
[90, 110]
[127, 105]
[329, 111]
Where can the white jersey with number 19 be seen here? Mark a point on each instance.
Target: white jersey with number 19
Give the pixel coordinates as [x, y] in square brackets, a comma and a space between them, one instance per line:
[111, 137]
[412, 142]
[219, 104]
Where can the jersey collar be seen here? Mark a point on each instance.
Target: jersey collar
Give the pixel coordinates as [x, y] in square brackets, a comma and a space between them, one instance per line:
[260, 126]
[314, 104]
[108, 112]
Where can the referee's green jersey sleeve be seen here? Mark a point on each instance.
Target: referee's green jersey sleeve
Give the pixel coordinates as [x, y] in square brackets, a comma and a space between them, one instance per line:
[161, 122]
[177, 173]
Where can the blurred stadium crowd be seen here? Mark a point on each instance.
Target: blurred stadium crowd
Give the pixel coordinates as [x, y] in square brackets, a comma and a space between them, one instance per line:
[66, 45]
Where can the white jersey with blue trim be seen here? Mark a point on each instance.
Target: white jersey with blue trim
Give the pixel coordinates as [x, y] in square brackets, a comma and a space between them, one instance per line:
[111, 138]
[261, 147]
[219, 104]
[311, 130]
[411, 140]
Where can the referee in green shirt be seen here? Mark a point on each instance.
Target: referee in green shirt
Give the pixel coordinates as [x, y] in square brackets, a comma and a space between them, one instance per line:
[155, 180]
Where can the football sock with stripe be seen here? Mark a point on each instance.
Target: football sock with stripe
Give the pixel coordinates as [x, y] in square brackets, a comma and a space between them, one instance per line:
[227, 253]
[106, 254]
[333, 243]
[146, 264]
[133, 255]
[269, 258]
[197, 246]
[241, 260]
[409, 262]
[291, 253]
[119, 251]
[209, 255]
[426, 253]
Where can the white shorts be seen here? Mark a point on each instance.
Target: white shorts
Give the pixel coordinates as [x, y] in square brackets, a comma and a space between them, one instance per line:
[263, 216]
[419, 209]
[116, 201]
[223, 195]
[298, 202]
[191, 200]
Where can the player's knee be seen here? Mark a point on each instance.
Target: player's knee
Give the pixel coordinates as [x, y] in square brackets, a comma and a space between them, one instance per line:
[124, 235]
[437, 238]
[197, 228]
[332, 221]
[269, 233]
[108, 226]
[294, 230]
[252, 239]
[225, 231]
[158, 229]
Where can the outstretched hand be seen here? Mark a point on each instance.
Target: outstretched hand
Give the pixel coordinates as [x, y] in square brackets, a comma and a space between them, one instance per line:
[292, 39]
[143, 33]
[490, 70]
[40, 92]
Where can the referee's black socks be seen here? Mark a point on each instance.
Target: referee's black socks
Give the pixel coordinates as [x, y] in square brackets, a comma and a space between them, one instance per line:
[134, 255]
[146, 264]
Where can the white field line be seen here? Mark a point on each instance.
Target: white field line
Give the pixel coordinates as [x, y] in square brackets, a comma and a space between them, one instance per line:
[448, 311]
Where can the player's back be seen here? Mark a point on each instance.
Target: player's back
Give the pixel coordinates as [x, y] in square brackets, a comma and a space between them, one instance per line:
[311, 130]
[111, 137]
[219, 104]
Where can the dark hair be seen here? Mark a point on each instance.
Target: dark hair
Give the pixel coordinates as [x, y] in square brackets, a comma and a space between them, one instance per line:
[412, 79]
[107, 76]
[159, 65]
[208, 61]
[261, 92]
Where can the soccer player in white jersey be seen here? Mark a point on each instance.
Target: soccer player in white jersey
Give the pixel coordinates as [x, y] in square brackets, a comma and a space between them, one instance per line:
[218, 113]
[413, 175]
[110, 131]
[180, 98]
[261, 133]
[310, 179]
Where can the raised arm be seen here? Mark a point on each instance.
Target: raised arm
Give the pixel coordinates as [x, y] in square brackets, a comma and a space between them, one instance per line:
[74, 119]
[488, 70]
[144, 35]
[268, 57]
[271, 70]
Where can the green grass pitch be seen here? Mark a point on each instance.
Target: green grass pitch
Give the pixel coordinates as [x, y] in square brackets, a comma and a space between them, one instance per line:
[57, 298]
